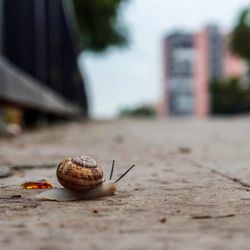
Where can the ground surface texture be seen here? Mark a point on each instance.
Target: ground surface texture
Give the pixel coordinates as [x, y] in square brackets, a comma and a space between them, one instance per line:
[190, 189]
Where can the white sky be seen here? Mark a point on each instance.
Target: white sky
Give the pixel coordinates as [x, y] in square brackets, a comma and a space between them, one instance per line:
[133, 75]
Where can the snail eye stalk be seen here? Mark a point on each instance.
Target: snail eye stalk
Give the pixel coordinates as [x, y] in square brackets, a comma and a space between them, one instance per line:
[124, 174]
[112, 170]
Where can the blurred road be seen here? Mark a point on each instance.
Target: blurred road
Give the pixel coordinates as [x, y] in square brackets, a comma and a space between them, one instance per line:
[190, 190]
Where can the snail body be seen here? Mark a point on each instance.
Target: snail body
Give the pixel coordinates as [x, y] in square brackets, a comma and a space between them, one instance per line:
[63, 194]
[82, 179]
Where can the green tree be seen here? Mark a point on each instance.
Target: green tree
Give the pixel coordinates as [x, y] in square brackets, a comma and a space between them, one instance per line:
[240, 42]
[229, 96]
[139, 111]
[100, 25]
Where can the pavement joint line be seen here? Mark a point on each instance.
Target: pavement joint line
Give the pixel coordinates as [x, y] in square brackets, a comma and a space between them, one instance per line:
[201, 217]
[228, 177]
[32, 166]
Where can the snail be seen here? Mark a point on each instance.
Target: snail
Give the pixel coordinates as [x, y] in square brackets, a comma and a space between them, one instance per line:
[82, 179]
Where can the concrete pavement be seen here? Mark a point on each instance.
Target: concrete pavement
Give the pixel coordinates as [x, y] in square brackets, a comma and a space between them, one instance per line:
[190, 190]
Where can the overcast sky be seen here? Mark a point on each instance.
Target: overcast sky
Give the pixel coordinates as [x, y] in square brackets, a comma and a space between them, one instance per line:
[133, 76]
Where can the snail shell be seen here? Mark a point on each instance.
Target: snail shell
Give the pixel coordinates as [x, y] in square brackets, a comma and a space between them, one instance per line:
[79, 174]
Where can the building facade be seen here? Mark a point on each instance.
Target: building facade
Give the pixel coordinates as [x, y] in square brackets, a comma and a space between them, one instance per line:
[191, 63]
[179, 73]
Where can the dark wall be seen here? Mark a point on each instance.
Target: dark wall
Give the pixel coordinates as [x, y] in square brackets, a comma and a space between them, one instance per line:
[39, 38]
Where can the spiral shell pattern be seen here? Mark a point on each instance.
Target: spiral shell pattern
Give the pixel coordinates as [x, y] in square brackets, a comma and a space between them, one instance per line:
[79, 173]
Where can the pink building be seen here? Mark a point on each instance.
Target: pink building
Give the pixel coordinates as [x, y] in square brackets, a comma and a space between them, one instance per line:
[191, 62]
[201, 91]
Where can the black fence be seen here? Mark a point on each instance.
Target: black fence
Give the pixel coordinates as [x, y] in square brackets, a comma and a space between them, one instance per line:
[40, 38]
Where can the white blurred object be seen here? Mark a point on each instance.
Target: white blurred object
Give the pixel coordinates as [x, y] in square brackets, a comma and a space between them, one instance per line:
[9, 130]
[14, 129]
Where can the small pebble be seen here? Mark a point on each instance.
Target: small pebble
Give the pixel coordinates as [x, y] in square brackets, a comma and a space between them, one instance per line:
[119, 139]
[16, 196]
[184, 150]
[5, 171]
[163, 220]
[95, 211]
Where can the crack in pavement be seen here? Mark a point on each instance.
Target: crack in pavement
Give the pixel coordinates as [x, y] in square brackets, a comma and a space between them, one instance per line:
[32, 166]
[228, 177]
[202, 217]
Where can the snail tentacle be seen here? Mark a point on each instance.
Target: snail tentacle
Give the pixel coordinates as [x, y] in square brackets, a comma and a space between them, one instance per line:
[124, 174]
[112, 170]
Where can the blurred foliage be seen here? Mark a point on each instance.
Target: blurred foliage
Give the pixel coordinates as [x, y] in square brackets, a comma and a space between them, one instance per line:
[100, 24]
[140, 111]
[229, 96]
[240, 42]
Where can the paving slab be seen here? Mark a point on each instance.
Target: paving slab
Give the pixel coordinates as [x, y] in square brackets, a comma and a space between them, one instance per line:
[189, 190]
